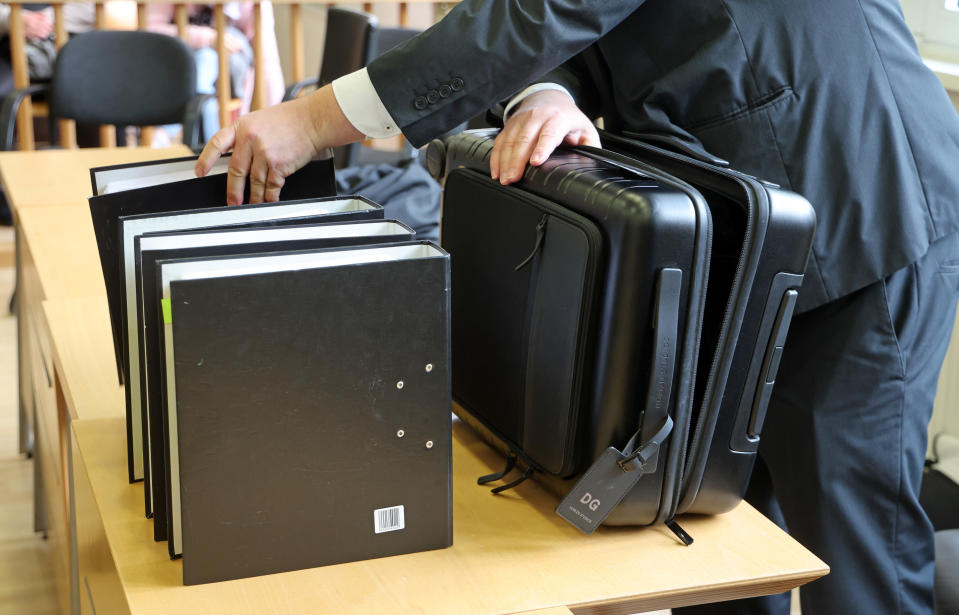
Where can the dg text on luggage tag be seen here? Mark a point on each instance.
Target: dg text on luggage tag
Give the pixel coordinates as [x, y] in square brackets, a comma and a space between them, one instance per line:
[599, 491]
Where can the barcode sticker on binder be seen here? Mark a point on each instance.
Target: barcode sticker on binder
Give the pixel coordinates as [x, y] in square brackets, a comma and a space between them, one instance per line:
[388, 519]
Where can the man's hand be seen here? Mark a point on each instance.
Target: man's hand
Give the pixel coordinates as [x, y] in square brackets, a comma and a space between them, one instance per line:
[270, 144]
[535, 128]
[36, 26]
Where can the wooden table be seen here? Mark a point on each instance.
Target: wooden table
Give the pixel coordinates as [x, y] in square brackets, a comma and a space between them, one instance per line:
[56, 257]
[62, 177]
[55, 178]
[511, 553]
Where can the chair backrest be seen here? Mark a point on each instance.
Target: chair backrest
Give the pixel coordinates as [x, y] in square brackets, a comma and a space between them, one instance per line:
[127, 78]
[385, 39]
[346, 48]
[349, 37]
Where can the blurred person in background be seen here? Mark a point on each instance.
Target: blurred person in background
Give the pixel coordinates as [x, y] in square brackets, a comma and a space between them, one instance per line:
[201, 37]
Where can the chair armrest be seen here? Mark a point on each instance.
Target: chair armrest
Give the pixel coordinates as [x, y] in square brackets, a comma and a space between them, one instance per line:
[191, 121]
[294, 90]
[8, 113]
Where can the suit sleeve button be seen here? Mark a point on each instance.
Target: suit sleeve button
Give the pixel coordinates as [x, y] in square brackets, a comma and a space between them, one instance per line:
[432, 96]
[457, 84]
[445, 91]
[420, 103]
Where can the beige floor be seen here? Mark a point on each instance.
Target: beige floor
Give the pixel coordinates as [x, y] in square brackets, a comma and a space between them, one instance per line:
[26, 586]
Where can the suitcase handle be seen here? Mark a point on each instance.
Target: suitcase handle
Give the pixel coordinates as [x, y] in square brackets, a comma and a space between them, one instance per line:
[673, 143]
[615, 473]
[669, 288]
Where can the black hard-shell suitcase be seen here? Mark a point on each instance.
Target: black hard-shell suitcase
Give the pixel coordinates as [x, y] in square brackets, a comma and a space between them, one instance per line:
[571, 356]
[778, 238]
[551, 305]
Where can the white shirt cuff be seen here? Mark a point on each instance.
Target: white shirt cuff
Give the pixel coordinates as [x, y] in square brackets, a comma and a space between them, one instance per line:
[536, 87]
[362, 105]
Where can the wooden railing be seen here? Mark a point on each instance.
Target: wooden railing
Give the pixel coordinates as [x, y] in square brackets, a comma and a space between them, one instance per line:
[67, 129]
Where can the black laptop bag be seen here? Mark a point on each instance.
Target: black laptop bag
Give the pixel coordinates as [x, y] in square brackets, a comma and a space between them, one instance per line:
[616, 315]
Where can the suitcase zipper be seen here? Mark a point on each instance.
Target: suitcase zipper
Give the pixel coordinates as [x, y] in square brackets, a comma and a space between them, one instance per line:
[680, 533]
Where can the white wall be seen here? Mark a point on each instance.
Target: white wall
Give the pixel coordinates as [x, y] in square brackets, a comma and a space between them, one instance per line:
[945, 416]
[935, 24]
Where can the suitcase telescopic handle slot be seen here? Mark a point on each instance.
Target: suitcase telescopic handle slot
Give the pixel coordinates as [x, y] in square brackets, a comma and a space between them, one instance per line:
[770, 365]
[761, 375]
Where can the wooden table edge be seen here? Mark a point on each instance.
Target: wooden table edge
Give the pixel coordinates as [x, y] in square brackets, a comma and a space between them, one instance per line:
[701, 595]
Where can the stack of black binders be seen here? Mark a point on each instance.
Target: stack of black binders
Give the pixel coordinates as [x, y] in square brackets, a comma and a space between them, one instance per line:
[286, 370]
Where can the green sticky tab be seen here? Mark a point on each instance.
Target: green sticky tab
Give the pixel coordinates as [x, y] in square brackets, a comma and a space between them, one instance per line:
[167, 311]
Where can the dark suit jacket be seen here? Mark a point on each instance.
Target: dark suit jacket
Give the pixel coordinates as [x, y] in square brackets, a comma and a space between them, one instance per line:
[828, 98]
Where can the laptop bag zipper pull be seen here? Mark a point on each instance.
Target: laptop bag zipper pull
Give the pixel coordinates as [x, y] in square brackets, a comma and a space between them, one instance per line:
[510, 485]
[510, 462]
[540, 233]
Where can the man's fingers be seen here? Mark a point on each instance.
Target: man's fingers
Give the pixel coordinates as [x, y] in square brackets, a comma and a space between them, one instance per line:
[517, 149]
[258, 174]
[235, 185]
[274, 183]
[531, 141]
[549, 135]
[553, 133]
[505, 136]
[236, 175]
[494, 155]
[586, 136]
[218, 145]
[515, 155]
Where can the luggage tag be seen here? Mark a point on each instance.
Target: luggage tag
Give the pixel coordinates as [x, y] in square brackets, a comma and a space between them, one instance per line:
[615, 472]
[609, 479]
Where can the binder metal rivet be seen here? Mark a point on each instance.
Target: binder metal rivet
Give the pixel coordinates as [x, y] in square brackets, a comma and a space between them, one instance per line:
[429, 444]
[399, 384]
[400, 433]
[429, 367]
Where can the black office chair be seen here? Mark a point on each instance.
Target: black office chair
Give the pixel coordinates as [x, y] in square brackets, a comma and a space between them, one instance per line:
[346, 48]
[124, 78]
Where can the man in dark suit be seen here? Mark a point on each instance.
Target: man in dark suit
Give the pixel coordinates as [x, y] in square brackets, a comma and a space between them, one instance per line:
[828, 98]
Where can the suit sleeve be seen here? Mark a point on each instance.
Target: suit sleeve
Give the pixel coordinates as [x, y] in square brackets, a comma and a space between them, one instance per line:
[482, 52]
[582, 84]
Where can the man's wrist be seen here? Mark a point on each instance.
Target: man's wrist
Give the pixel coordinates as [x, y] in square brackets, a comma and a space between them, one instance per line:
[360, 104]
[533, 89]
[330, 125]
